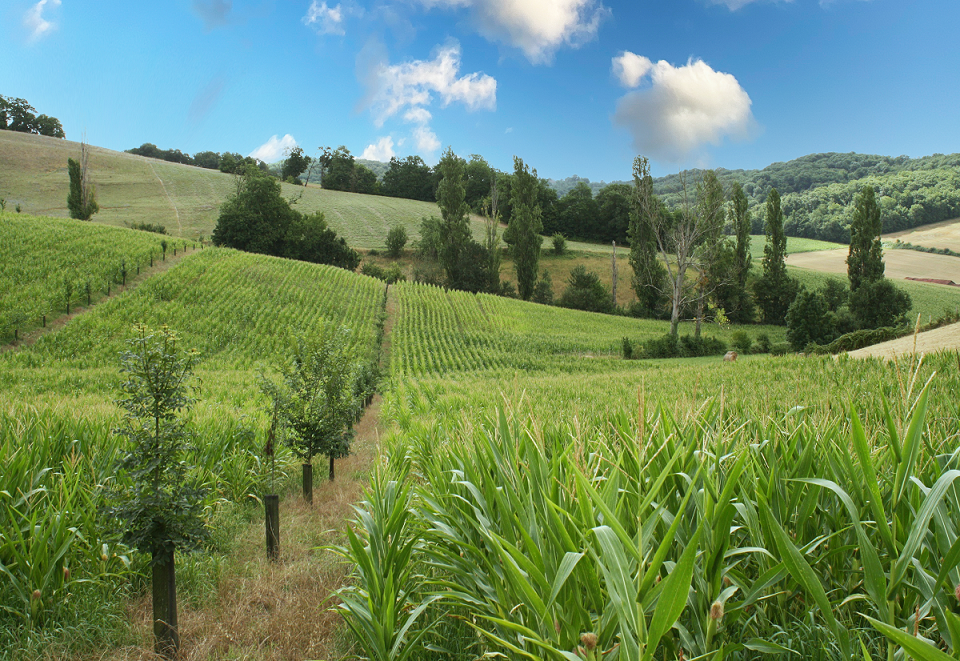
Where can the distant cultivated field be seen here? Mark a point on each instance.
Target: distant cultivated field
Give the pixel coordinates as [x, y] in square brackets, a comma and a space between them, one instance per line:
[900, 264]
[939, 339]
[936, 235]
[183, 198]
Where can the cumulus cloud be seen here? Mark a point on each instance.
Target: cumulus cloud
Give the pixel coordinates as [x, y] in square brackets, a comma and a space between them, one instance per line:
[213, 13]
[274, 149]
[34, 21]
[682, 109]
[409, 88]
[536, 27]
[381, 150]
[324, 19]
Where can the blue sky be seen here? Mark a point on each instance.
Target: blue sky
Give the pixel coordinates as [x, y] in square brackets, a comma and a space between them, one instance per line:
[571, 86]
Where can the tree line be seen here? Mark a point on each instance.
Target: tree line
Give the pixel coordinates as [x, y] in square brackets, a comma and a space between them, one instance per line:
[229, 162]
[19, 115]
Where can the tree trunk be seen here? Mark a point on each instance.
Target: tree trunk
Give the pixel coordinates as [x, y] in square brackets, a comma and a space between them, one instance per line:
[614, 274]
[331, 468]
[271, 505]
[166, 633]
[696, 331]
[308, 483]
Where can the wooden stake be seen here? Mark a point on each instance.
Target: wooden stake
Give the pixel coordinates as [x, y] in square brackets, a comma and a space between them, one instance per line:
[166, 634]
[308, 483]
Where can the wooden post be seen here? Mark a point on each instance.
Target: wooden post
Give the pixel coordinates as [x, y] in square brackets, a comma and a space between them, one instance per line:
[271, 504]
[44, 321]
[614, 274]
[166, 634]
[331, 468]
[308, 483]
[16, 335]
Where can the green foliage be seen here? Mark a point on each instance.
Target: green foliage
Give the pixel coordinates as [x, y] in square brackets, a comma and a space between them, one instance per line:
[389, 275]
[559, 244]
[649, 275]
[82, 200]
[156, 228]
[454, 212]
[585, 292]
[257, 219]
[543, 290]
[733, 294]
[18, 115]
[809, 320]
[295, 164]
[780, 348]
[161, 509]
[685, 346]
[314, 399]
[775, 290]
[396, 240]
[879, 303]
[523, 232]
[740, 340]
[409, 178]
[865, 260]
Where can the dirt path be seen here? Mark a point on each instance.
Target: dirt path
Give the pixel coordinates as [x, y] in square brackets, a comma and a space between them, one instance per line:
[274, 611]
[946, 337]
[55, 323]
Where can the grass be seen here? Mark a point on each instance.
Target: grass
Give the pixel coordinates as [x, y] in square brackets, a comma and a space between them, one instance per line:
[45, 259]
[183, 198]
[794, 245]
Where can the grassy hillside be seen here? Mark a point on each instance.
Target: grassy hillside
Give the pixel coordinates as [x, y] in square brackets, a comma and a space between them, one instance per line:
[183, 198]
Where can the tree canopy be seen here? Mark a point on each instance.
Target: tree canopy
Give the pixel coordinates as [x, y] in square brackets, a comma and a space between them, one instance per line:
[19, 115]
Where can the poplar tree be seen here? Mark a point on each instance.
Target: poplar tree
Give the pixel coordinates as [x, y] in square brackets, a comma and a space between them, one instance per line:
[865, 259]
[454, 212]
[775, 290]
[649, 277]
[82, 198]
[523, 232]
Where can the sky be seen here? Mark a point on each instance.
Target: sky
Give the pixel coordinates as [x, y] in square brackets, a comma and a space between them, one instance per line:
[570, 86]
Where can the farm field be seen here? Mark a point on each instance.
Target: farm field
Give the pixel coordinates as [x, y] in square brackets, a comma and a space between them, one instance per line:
[937, 235]
[900, 264]
[946, 338]
[795, 245]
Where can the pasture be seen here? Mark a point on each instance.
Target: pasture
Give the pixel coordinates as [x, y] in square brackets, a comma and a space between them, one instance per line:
[945, 234]
[899, 264]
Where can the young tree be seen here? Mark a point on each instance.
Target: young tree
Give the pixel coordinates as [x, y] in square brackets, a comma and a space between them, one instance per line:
[82, 199]
[454, 212]
[523, 232]
[585, 292]
[865, 259]
[775, 290]
[733, 295]
[396, 240]
[491, 221]
[649, 277]
[713, 252]
[315, 402]
[161, 509]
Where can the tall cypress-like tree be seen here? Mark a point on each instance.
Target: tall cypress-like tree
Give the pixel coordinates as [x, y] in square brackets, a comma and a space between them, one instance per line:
[714, 251]
[775, 290]
[82, 198]
[523, 232]
[649, 276]
[454, 212]
[865, 259]
[733, 295]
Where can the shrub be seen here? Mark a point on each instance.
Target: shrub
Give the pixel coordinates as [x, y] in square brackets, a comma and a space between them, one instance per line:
[586, 292]
[156, 228]
[543, 290]
[742, 342]
[809, 320]
[396, 240]
[780, 348]
[559, 244]
[879, 303]
[373, 270]
[763, 343]
[627, 348]
[395, 274]
[687, 346]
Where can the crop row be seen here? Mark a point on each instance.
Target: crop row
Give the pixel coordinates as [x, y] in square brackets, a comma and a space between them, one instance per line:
[737, 531]
[47, 264]
[236, 308]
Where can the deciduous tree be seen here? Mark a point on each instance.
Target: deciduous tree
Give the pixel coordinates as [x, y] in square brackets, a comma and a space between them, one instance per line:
[454, 213]
[82, 198]
[649, 276]
[523, 232]
[865, 258]
[775, 290]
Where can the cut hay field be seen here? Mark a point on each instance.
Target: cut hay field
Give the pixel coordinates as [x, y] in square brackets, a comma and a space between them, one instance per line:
[183, 198]
[900, 264]
[945, 234]
[946, 338]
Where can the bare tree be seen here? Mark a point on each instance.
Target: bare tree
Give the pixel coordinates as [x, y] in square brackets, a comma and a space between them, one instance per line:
[683, 238]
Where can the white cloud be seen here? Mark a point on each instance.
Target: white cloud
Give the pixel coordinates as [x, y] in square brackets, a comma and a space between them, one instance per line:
[427, 141]
[630, 68]
[34, 21]
[382, 150]
[413, 85]
[324, 19]
[734, 5]
[274, 149]
[682, 109]
[536, 27]
[417, 116]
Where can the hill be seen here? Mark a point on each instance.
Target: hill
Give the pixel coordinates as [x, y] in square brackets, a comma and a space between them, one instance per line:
[183, 198]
